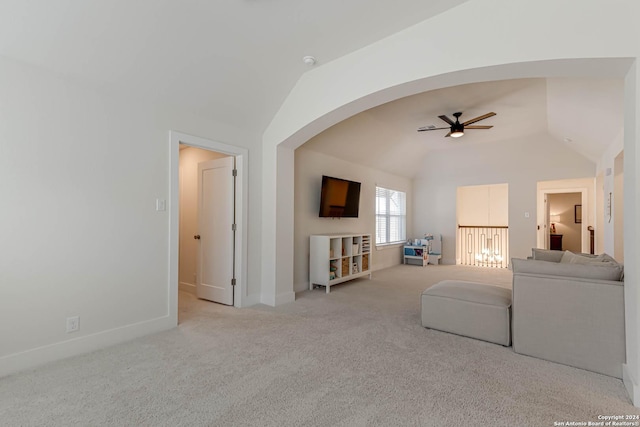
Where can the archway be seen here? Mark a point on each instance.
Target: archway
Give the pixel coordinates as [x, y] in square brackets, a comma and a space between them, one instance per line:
[283, 137]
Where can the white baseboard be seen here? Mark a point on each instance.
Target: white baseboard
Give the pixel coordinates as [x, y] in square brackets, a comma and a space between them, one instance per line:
[247, 301]
[187, 287]
[631, 385]
[250, 300]
[30, 359]
[301, 287]
[274, 300]
[296, 293]
[285, 298]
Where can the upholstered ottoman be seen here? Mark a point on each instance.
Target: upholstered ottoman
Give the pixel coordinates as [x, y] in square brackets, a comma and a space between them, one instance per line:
[471, 309]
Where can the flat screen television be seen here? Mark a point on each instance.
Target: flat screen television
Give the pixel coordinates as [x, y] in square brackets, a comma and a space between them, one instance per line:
[339, 198]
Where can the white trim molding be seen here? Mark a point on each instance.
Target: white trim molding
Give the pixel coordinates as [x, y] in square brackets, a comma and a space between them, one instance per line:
[633, 389]
[241, 298]
[32, 358]
[187, 287]
[282, 298]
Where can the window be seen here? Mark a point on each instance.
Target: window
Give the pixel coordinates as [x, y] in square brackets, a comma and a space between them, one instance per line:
[391, 216]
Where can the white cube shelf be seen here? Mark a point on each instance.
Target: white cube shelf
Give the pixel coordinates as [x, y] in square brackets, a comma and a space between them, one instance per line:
[337, 258]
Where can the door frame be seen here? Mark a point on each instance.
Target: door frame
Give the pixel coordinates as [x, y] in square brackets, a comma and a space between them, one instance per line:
[242, 190]
[543, 216]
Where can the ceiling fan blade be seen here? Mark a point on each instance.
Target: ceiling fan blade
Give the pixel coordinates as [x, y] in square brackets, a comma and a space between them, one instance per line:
[477, 119]
[446, 119]
[449, 134]
[426, 129]
[478, 127]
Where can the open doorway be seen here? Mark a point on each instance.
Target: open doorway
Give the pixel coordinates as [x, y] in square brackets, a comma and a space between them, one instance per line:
[618, 207]
[482, 213]
[565, 221]
[207, 216]
[187, 152]
[564, 214]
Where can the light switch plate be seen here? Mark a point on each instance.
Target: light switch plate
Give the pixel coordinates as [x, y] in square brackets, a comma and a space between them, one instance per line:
[73, 324]
[161, 205]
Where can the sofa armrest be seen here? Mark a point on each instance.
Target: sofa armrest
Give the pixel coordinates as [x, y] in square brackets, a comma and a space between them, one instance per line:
[570, 320]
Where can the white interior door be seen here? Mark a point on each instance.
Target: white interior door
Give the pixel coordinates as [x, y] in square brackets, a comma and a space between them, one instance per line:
[216, 230]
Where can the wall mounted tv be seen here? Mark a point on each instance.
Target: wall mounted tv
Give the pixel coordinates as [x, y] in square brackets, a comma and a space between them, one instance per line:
[339, 198]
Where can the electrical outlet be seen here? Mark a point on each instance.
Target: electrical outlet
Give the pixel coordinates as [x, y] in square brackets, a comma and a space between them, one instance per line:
[73, 324]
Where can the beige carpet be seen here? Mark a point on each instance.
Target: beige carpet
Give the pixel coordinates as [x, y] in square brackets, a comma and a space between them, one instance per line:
[355, 357]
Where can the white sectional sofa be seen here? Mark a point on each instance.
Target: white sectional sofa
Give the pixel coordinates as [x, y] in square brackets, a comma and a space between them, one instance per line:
[569, 308]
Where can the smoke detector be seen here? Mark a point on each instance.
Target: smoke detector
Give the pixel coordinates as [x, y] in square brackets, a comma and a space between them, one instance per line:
[309, 60]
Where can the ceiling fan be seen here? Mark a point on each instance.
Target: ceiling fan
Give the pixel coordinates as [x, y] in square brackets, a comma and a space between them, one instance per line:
[457, 129]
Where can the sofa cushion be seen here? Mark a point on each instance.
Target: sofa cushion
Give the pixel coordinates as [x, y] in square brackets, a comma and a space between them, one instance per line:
[588, 259]
[599, 271]
[569, 257]
[471, 309]
[546, 255]
[471, 291]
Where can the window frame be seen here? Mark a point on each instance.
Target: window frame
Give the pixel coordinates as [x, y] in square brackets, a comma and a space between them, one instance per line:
[388, 216]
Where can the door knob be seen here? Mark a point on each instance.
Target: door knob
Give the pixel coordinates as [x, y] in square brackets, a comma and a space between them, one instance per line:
[197, 237]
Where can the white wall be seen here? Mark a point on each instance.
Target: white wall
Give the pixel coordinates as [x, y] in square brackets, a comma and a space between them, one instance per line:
[607, 166]
[80, 173]
[618, 208]
[189, 159]
[309, 168]
[631, 370]
[520, 164]
[599, 213]
[283, 292]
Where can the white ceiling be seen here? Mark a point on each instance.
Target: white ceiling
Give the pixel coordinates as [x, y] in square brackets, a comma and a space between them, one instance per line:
[236, 61]
[589, 112]
[232, 60]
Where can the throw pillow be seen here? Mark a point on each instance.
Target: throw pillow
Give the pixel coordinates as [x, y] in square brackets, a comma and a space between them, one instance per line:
[585, 259]
[546, 255]
[570, 258]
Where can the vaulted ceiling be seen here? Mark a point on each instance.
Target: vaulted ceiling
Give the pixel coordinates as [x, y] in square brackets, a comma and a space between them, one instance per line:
[585, 114]
[236, 61]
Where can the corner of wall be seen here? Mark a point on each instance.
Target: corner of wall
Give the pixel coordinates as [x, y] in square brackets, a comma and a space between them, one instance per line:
[250, 300]
[631, 385]
[279, 299]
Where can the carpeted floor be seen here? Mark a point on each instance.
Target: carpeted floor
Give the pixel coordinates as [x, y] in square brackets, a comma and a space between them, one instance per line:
[355, 357]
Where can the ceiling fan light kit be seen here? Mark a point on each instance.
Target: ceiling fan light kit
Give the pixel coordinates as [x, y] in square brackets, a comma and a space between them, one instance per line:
[457, 129]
